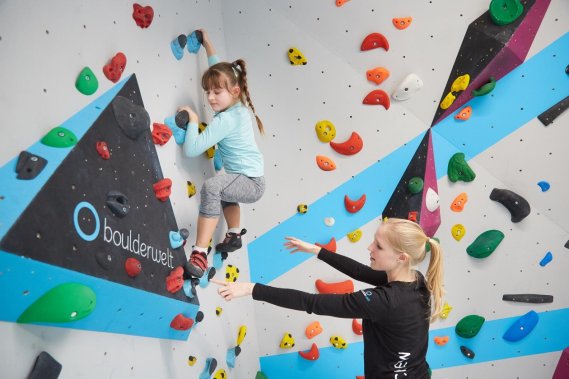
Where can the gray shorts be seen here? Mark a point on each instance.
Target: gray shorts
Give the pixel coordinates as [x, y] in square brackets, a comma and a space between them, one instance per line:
[229, 189]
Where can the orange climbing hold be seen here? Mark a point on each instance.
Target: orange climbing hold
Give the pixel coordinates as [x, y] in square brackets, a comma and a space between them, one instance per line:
[357, 327]
[464, 114]
[330, 246]
[402, 22]
[339, 3]
[325, 163]
[312, 354]
[347, 286]
[441, 341]
[377, 97]
[377, 75]
[313, 330]
[351, 146]
[459, 202]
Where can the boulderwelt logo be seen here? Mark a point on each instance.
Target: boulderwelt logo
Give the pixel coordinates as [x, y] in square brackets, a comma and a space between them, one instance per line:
[122, 239]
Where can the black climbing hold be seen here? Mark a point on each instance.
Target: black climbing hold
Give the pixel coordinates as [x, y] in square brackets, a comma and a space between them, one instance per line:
[528, 298]
[132, 118]
[182, 119]
[104, 259]
[211, 273]
[182, 40]
[29, 165]
[467, 352]
[199, 36]
[518, 206]
[212, 365]
[552, 113]
[567, 244]
[237, 350]
[118, 203]
[45, 367]
[184, 233]
[199, 316]
[224, 254]
[567, 69]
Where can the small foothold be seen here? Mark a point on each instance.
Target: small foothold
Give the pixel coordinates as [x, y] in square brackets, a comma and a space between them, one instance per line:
[460, 83]
[176, 239]
[485, 89]
[357, 327]
[241, 333]
[114, 69]
[448, 100]
[104, 259]
[310, 355]
[408, 86]
[59, 137]
[338, 342]
[142, 15]
[287, 342]
[504, 12]
[132, 267]
[377, 97]
[29, 165]
[355, 236]
[192, 360]
[351, 146]
[162, 189]
[441, 340]
[521, 327]
[445, 312]
[354, 206]
[131, 118]
[45, 367]
[402, 23]
[469, 326]
[181, 322]
[313, 329]
[459, 202]
[374, 41]
[339, 3]
[160, 133]
[325, 130]
[218, 311]
[195, 41]
[346, 286]
[458, 169]
[199, 316]
[518, 206]
[464, 114]
[543, 185]
[467, 352]
[415, 185]
[87, 82]
[329, 221]
[377, 75]
[325, 163]
[485, 244]
[413, 216]
[231, 273]
[330, 246]
[118, 203]
[546, 259]
[302, 208]
[191, 187]
[432, 199]
[458, 231]
[103, 150]
[295, 57]
[177, 46]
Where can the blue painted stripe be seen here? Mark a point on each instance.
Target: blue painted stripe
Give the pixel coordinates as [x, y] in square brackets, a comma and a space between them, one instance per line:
[494, 117]
[119, 309]
[550, 334]
[19, 193]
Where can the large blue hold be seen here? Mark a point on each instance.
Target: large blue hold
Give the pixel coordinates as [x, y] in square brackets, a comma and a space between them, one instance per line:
[522, 327]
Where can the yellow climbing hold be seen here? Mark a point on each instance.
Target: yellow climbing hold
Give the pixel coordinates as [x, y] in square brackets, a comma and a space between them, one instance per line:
[460, 83]
[296, 57]
[241, 334]
[192, 360]
[211, 151]
[338, 342]
[447, 101]
[287, 342]
[446, 310]
[220, 374]
[218, 311]
[191, 188]
[325, 130]
[458, 231]
[355, 235]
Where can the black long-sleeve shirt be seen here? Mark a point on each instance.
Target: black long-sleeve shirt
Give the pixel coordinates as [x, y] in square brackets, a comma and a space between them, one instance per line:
[395, 316]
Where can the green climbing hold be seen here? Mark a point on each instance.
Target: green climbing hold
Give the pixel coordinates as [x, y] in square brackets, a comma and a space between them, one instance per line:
[87, 82]
[469, 326]
[64, 303]
[485, 89]
[428, 244]
[504, 12]
[415, 185]
[261, 375]
[458, 169]
[485, 244]
[59, 137]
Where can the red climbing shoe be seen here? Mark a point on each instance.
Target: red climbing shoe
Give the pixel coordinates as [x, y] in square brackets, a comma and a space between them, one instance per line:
[197, 264]
[231, 242]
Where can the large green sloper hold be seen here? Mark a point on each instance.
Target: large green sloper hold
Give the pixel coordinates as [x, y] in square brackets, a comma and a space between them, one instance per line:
[59, 137]
[64, 303]
[458, 169]
[485, 244]
[87, 82]
[469, 326]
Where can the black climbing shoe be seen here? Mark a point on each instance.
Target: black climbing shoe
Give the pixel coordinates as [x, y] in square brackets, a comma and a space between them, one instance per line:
[231, 242]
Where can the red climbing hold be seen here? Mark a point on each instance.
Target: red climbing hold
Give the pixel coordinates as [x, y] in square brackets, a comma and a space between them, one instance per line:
[175, 281]
[312, 354]
[181, 322]
[354, 206]
[330, 246]
[132, 267]
[351, 146]
[160, 133]
[103, 150]
[377, 97]
[339, 3]
[142, 15]
[357, 327]
[115, 68]
[374, 41]
[347, 286]
[162, 189]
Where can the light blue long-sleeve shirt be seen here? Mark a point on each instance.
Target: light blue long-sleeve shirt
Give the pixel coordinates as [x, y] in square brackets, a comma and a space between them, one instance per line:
[232, 130]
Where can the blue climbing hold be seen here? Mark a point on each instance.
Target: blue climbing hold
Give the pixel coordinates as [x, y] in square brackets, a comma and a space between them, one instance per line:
[177, 46]
[176, 239]
[194, 41]
[217, 260]
[232, 353]
[543, 185]
[546, 259]
[521, 327]
[217, 160]
[210, 366]
[178, 133]
[189, 289]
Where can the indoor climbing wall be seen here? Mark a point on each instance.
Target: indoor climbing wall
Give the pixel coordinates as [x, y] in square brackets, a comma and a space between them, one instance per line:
[310, 67]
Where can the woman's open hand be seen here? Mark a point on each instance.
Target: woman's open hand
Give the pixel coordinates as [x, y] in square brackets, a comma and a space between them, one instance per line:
[231, 290]
[299, 245]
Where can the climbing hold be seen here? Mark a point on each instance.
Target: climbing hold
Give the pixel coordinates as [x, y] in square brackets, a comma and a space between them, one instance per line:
[432, 199]
[210, 366]
[459, 202]
[208, 275]
[338, 342]
[351, 146]
[105, 260]
[114, 69]
[231, 273]
[458, 169]
[182, 119]
[504, 12]
[377, 97]
[117, 203]
[467, 352]
[412, 216]
[313, 329]
[330, 246]
[355, 236]
[162, 189]
[408, 86]
[45, 367]
[329, 221]
[446, 310]
[485, 244]
[295, 57]
[181, 322]
[377, 75]
[63, 303]
[460, 83]
[261, 375]
[177, 238]
[448, 100]
[442, 340]
[211, 152]
[199, 316]
[241, 333]
[357, 327]
[543, 185]
[354, 206]
[428, 245]
[529, 298]
[325, 163]
[231, 354]
[59, 137]
[458, 231]
[518, 206]
[189, 286]
[177, 46]
[302, 208]
[415, 185]
[160, 133]
[132, 267]
[192, 360]
[132, 118]
[347, 286]
[402, 22]
[195, 40]
[29, 165]
[191, 187]
[339, 3]
[374, 41]
[464, 114]
[175, 280]
[103, 150]
[310, 355]
[87, 82]
[469, 326]
[221, 374]
[546, 259]
[521, 327]
[325, 130]
[217, 159]
[485, 89]
[178, 132]
[142, 15]
[287, 341]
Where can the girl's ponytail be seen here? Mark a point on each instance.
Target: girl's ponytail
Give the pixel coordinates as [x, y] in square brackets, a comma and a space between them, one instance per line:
[435, 278]
[241, 73]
